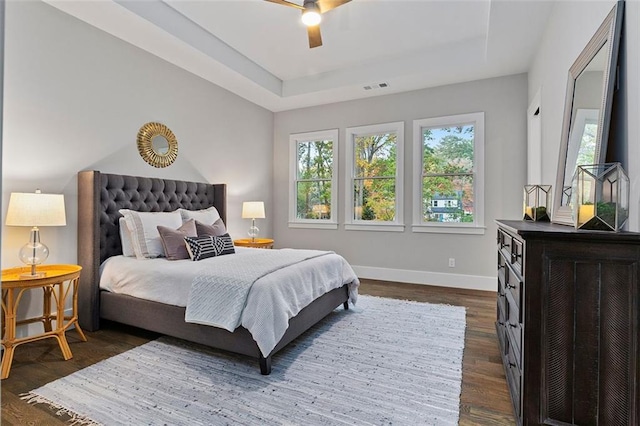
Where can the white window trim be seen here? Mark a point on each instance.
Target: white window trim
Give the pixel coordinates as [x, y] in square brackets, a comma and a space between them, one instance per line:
[372, 225]
[477, 227]
[294, 139]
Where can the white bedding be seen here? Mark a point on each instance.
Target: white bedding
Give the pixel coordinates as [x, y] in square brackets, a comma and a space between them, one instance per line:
[272, 301]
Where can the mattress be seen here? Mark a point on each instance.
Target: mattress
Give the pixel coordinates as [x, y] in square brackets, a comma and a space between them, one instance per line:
[272, 300]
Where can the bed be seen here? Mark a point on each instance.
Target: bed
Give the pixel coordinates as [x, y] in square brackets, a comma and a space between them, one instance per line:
[100, 197]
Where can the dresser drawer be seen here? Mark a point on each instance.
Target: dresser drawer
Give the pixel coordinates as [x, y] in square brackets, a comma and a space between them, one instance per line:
[513, 326]
[504, 243]
[502, 273]
[514, 334]
[512, 249]
[514, 375]
[513, 283]
[517, 251]
[502, 309]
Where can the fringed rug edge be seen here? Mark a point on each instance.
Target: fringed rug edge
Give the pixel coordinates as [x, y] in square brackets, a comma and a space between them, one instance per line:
[75, 418]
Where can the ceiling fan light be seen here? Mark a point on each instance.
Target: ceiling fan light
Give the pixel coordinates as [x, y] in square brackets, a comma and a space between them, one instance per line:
[311, 16]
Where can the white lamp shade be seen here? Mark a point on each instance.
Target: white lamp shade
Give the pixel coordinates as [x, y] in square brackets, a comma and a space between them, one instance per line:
[253, 210]
[36, 209]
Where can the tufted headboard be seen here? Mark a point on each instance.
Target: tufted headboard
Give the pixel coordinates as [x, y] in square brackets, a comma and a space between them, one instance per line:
[100, 196]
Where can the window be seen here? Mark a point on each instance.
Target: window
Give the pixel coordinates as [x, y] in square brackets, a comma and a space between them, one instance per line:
[314, 180]
[449, 174]
[374, 177]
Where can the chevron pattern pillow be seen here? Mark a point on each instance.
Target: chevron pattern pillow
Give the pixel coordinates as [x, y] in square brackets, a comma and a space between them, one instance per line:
[205, 247]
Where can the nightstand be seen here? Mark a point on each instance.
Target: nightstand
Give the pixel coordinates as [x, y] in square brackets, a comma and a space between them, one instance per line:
[52, 284]
[263, 243]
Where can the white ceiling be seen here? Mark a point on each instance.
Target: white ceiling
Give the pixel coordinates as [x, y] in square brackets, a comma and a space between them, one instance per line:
[259, 50]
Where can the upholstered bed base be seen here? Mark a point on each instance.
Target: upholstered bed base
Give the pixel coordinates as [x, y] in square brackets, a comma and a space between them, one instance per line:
[100, 196]
[169, 320]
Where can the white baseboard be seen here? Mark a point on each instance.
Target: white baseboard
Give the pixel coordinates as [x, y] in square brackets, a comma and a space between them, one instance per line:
[471, 282]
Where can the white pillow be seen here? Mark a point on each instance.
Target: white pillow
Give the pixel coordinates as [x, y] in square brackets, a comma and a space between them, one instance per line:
[206, 216]
[143, 227]
[125, 239]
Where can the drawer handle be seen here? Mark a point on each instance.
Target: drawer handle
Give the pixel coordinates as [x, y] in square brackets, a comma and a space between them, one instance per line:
[512, 364]
[510, 286]
[515, 256]
[513, 325]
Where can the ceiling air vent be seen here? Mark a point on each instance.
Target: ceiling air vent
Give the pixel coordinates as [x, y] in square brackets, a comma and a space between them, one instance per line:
[376, 86]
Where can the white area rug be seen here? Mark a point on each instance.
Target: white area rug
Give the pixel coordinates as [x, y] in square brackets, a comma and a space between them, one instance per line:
[386, 362]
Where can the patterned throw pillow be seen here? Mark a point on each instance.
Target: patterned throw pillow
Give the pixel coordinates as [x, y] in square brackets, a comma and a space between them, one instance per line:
[205, 247]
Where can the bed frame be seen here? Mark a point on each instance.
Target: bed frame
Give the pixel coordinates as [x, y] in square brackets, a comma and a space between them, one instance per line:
[100, 196]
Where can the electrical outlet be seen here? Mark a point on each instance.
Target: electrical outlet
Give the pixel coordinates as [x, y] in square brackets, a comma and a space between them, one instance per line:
[452, 262]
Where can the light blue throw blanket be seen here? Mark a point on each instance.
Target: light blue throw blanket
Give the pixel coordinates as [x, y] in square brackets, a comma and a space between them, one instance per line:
[219, 295]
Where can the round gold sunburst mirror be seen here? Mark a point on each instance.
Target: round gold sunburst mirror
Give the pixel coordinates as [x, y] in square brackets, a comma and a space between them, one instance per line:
[157, 144]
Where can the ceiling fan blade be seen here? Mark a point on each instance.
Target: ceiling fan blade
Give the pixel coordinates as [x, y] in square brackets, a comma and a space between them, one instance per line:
[315, 39]
[286, 3]
[327, 5]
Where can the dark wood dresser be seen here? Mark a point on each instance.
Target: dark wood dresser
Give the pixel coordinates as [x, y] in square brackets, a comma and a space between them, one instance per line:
[567, 323]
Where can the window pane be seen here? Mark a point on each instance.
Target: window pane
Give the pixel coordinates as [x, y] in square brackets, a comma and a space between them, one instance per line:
[374, 199]
[448, 149]
[587, 150]
[315, 159]
[313, 200]
[447, 199]
[375, 155]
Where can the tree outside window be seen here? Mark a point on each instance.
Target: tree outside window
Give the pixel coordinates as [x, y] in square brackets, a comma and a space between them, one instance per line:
[374, 177]
[313, 179]
[447, 177]
[449, 174]
[374, 192]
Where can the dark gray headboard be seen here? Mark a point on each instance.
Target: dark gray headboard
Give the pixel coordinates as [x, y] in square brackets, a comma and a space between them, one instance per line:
[100, 196]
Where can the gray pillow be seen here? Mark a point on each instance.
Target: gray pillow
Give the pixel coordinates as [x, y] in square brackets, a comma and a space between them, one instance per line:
[216, 230]
[173, 240]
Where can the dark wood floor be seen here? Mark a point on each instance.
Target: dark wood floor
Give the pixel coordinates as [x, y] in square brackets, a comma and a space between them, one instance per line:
[484, 400]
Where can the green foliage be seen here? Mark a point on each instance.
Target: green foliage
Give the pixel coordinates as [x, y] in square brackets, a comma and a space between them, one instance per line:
[587, 150]
[315, 161]
[604, 218]
[375, 157]
[448, 170]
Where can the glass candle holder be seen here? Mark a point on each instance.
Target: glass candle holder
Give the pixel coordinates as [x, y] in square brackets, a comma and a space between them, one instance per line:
[537, 202]
[600, 197]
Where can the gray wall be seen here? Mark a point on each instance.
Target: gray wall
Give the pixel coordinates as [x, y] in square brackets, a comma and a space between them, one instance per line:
[75, 98]
[571, 26]
[411, 256]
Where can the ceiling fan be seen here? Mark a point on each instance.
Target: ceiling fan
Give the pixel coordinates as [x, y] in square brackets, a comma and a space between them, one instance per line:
[311, 15]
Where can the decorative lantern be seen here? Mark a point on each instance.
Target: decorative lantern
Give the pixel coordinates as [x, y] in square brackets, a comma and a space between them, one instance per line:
[537, 202]
[600, 197]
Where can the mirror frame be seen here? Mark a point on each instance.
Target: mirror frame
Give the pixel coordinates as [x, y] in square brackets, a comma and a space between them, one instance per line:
[145, 145]
[609, 31]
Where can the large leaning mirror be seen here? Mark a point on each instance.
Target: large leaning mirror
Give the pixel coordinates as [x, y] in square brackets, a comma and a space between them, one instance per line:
[157, 144]
[587, 114]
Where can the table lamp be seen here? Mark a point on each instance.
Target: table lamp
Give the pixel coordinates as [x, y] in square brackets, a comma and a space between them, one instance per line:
[253, 210]
[35, 209]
